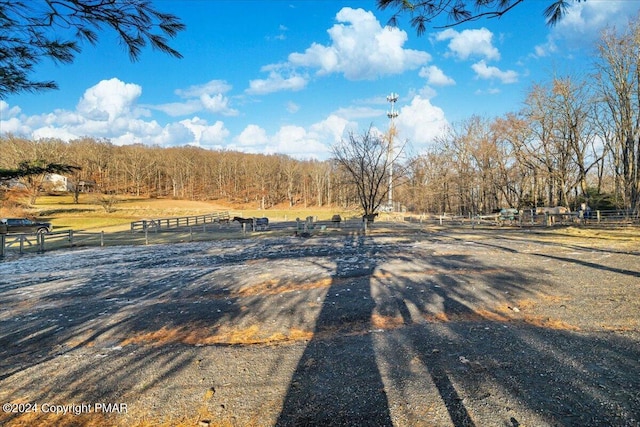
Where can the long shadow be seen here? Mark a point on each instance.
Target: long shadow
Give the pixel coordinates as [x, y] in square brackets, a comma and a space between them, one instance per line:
[587, 378]
[333, 384]
[432, 361]
[477, 362]
[593, 265]
[583, 263]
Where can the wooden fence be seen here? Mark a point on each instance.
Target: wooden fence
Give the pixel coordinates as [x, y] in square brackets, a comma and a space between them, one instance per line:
[528, 218]
[177, 222]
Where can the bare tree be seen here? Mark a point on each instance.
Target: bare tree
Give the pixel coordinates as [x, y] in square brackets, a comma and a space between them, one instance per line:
[573, 102]
[619, 88]
[367, 159]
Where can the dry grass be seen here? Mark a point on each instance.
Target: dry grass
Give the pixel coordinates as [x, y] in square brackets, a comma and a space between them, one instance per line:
[275, 287]
[199, 336]
[379, 321]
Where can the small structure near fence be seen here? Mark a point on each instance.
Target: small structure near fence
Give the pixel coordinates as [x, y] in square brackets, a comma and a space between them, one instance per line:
[255, 223]
[183, 221]
[305, 228]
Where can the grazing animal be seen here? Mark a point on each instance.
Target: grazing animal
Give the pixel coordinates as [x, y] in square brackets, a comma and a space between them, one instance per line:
[255, 223]
[369, 217]
[557, 210]
[243, 220]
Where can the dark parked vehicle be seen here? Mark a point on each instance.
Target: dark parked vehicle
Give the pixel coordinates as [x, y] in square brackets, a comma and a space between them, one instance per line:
[24, 225]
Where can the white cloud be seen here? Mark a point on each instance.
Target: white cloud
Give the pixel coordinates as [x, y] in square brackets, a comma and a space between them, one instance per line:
[14, 126]
[292, 107]
[276, 82]
[212, 87]
[297, 142]
[205, 134]
[177, 109]
[486, 72]
[361, 49]
[470, 43]
[7, 112]
[435, 76]
[217, 104]
[206, 97]
[10, 122]
[420, 122]
[584, 22]
[52, 132]
[109, 110]
[109, 100]
[332, 129]
[252, 135]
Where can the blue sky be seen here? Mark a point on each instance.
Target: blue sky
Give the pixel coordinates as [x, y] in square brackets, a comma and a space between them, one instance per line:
[293, 77]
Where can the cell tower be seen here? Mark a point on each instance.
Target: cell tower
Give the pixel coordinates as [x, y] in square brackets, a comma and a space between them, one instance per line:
[392, 114]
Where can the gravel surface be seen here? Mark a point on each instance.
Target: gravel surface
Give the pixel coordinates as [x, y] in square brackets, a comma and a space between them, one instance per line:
[415, 327]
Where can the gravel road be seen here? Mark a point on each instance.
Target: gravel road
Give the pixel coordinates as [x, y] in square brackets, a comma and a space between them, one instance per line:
[415, 327]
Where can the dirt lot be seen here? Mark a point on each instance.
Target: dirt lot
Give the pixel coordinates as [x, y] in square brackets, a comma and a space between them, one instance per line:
[414, 327]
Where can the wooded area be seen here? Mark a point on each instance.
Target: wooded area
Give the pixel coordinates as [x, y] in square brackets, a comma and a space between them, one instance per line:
[577, 139]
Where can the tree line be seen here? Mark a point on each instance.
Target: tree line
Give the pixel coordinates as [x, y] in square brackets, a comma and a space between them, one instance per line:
[576, 140]
[185, 172]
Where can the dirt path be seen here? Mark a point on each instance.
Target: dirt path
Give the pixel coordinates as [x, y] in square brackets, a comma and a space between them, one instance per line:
[416, 327]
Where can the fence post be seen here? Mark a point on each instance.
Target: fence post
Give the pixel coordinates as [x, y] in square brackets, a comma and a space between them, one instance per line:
[70, 238]
[191, 234]
[598, 216]
[102, 239]
[40, 242]
[146, 237]
[21, 243]
[3, 241]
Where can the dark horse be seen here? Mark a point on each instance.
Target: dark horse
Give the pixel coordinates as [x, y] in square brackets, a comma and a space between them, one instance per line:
[243, 220]
[369, 217]
[255, 223]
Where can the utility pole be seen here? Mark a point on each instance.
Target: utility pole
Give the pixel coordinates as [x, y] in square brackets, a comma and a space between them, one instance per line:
[392, 114]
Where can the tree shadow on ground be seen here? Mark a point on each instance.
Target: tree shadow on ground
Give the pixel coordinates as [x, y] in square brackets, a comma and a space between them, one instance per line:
[487, 365]
[337, 382]
[400, 329]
